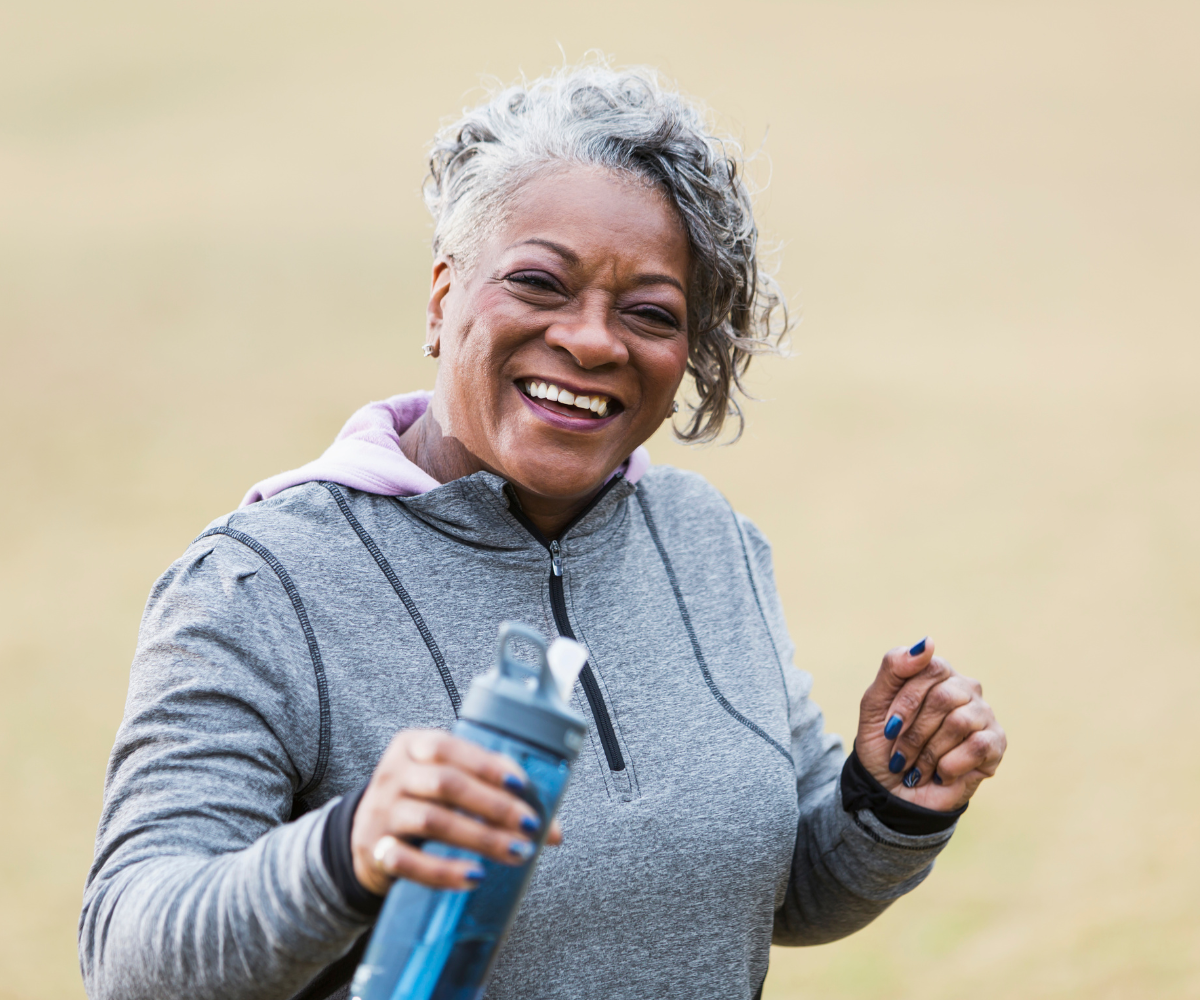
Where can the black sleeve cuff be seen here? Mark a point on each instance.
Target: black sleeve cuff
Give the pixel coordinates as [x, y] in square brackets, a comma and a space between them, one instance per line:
[339, 862]
[860, 790]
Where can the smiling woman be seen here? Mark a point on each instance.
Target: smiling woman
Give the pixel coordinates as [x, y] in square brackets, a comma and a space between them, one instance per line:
[583, 291]
[284, 754]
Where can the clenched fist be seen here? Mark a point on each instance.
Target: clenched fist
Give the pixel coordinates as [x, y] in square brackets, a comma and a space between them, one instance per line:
[431, 785]
[924, 731]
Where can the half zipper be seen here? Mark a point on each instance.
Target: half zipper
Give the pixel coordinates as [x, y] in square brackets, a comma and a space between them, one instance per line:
[558, 606]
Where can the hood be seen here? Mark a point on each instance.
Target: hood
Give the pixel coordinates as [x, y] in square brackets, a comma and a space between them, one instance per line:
[366, 455]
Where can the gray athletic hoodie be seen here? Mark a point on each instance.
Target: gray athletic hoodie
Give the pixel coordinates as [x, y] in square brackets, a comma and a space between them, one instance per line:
[281, 653]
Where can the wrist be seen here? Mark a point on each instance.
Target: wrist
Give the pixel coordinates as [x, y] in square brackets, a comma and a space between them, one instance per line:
[860, 790]
[338, 856]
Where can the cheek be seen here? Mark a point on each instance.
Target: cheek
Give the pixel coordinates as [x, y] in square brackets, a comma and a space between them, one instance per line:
[490, 328]
[663, 364]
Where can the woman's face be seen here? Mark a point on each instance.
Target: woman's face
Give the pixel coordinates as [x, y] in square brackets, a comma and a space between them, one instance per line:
[583, 288]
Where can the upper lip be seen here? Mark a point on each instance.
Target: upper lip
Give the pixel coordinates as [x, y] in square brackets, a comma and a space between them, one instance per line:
[571, 388]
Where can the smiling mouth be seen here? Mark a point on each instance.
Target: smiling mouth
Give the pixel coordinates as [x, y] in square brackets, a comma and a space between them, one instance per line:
[592, 405]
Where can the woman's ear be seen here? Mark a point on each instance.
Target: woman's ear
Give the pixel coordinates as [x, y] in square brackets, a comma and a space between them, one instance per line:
[439, 287]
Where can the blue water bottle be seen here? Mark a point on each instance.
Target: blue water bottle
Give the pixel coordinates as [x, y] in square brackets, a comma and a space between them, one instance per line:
[441, 944]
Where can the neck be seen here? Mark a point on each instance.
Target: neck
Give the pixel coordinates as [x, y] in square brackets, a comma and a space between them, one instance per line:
[446, 458]
[549, 514]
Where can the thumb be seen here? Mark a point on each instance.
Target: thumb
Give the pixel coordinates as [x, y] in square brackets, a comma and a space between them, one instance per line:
[898, 666]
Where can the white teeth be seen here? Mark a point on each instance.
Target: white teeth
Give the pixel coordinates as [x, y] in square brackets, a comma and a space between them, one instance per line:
[543, 390]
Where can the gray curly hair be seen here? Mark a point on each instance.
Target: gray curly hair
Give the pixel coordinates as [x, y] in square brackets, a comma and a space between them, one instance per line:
[630, 122]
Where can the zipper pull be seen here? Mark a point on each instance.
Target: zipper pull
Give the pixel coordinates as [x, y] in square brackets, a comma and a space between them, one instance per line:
[555, 559]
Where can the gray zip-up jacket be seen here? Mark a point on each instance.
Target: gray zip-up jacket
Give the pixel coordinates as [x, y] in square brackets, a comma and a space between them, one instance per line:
[281, 653]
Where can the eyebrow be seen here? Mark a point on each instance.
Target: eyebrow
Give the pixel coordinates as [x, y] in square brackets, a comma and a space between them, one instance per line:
[573, 258]
[568, 255]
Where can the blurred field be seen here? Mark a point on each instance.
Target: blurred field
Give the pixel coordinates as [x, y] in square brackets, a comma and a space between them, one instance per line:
[212, 250]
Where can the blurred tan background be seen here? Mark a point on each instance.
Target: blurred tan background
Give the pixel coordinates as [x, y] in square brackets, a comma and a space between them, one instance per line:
[212, 250]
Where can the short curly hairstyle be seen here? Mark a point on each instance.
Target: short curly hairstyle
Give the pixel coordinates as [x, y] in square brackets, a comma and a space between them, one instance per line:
[629, 121]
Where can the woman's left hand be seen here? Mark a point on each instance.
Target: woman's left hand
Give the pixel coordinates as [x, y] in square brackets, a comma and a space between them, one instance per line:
[925, 732]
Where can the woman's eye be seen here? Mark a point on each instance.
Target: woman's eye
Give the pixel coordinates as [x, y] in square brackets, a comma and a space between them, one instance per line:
[658, 316]
[536, 282]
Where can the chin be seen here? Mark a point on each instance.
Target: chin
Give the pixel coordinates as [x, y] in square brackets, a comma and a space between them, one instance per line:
[560, 474]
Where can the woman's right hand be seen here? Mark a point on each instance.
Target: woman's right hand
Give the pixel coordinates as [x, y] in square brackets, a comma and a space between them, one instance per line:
[432, 785]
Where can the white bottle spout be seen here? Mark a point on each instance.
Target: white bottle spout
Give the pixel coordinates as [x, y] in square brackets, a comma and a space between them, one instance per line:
[566, 658]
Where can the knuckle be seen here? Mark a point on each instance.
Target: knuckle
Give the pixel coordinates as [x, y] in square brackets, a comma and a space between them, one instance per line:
[942, 699]
[957, 726]
[425, 820]
[979, 744]
[442, 745]
[444, 782]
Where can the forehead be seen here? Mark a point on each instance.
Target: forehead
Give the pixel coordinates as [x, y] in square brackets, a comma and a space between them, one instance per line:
[597, 214]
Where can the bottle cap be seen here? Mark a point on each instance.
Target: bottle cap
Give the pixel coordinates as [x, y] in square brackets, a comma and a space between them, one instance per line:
[527, 701]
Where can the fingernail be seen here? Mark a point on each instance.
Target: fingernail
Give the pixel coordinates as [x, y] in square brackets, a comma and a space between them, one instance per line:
[476, 875]
[514, 784]
[918, 649]
[936, 779]
[893, 727]
[523, 849]
[896, 764]
[912, 778]
[530, 825]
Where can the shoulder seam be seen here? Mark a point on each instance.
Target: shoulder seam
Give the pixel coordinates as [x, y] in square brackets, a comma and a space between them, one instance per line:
[758, 604]
[314, 651]
[409, 604]
[691, 634]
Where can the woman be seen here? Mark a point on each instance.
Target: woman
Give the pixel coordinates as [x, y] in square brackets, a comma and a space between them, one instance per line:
[284, 747]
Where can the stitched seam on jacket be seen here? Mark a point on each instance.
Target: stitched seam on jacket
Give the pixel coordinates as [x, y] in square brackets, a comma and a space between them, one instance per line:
[409, 605]
[691, 633]
[310, 638]
[761, 613]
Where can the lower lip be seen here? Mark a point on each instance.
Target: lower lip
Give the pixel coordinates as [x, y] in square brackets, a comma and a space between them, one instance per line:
[561, 420]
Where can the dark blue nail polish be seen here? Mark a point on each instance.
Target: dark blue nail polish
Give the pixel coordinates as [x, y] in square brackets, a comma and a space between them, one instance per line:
[936, 779]
[918, 649]
[530, 825]
[896, 764]
[912, 778]
[514, 784]
[893, 727]
[522, 849]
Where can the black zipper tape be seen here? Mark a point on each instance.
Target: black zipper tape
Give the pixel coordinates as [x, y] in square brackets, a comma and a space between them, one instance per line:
[558, 605]
[591, 687]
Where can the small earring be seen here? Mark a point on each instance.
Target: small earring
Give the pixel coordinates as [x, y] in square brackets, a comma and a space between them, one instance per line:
[427, 351]
[675, 406]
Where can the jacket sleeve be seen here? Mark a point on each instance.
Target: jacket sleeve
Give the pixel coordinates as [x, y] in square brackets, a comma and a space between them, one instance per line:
[201, 887]
[847, 868]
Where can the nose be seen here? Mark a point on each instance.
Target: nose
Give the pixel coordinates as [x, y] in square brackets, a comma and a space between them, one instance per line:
[590, 340]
